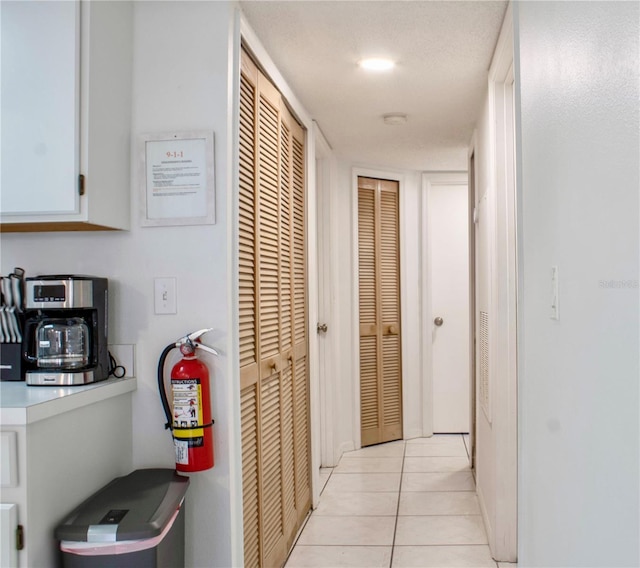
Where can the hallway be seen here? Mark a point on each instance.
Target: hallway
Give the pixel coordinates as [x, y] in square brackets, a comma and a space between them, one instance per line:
[400, 504]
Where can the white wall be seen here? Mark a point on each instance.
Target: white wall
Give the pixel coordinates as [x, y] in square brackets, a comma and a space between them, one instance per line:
[181, 81]
[578, 381]
[344, 434]
[412, 273]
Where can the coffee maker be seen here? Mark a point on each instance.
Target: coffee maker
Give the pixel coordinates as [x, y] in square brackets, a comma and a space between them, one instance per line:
[65, 334]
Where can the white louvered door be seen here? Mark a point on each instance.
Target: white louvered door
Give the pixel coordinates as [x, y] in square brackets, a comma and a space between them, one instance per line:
[379, 297]
[273, 341]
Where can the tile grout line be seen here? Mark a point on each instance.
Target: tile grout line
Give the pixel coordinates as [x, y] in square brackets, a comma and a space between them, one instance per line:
[465, 445]
[395, 526]
[324, 486]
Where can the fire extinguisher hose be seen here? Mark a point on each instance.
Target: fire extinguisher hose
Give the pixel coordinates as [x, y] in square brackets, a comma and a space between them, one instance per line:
[161, 387]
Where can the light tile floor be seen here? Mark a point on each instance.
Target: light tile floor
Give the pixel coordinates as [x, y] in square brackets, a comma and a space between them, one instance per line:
[397, 505]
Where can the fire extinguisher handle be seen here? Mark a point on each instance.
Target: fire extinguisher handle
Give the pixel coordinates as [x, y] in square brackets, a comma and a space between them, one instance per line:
[207, 348]
[197, 334]
[193, 339]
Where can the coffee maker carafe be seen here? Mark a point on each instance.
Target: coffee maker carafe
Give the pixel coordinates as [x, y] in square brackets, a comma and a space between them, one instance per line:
[65, 339]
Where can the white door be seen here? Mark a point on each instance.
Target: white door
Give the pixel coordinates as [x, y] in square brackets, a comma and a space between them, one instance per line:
[448, 245]
[324, 325]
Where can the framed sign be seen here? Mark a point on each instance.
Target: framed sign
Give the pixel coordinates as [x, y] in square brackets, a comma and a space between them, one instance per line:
[177, 179]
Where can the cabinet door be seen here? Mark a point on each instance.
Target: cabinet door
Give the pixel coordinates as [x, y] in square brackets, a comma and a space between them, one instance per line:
[8, 528]
[40, 107]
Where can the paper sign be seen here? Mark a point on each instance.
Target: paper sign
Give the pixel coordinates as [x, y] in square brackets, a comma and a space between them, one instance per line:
[179, 178]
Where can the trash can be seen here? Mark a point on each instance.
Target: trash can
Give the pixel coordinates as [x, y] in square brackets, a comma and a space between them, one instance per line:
[136, 521]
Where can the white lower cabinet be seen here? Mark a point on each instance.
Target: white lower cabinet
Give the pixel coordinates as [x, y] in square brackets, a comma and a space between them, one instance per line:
[66, 449]
[66, 114]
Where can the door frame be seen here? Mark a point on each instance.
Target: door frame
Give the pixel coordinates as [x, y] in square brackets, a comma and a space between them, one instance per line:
[504, 293]
[327, 269]
[357, 172]
[429, 179]
[473, 377]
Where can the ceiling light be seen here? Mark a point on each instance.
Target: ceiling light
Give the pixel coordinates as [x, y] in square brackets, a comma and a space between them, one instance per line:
[395, 118]
[377, 64]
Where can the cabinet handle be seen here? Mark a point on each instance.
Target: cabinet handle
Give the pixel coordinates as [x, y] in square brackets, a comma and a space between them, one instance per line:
[81, 184]
[19, 537]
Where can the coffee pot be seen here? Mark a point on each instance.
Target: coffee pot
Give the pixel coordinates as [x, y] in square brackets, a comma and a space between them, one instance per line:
[61, 344]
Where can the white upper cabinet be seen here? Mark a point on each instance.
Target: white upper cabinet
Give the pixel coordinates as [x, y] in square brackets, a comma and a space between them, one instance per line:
[66, 114]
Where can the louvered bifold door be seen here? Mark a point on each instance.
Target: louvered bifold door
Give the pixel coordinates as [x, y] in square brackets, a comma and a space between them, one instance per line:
[379, 306]
[269, 324]
[302, 436]
[274, 385]
[296, 466]
[248, 317]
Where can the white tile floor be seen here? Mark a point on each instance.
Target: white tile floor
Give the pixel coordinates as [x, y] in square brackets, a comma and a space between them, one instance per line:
[401, 504]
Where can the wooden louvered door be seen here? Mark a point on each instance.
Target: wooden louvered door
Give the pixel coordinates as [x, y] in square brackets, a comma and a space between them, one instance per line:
[273, 307]
[379, 297]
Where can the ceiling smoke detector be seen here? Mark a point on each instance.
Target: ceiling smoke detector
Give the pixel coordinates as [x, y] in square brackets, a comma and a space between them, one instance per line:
[395, 118]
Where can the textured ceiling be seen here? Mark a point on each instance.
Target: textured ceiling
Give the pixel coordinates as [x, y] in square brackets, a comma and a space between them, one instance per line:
[442, 49]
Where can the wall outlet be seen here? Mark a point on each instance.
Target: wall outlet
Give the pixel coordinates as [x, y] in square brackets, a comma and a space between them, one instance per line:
[125, 356]
[164, 295]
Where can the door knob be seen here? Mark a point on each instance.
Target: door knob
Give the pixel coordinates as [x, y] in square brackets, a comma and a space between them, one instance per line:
[438, 321]
[322, 328]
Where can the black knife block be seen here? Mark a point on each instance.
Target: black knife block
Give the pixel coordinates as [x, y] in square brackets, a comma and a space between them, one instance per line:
[11, 365]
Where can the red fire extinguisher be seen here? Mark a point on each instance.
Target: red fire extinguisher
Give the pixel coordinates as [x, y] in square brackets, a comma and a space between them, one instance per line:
[189, 414]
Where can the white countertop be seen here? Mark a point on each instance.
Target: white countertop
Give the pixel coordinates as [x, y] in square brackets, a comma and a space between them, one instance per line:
[21, 404]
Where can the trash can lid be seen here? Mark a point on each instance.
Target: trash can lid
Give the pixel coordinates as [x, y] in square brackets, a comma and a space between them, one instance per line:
[136, 506]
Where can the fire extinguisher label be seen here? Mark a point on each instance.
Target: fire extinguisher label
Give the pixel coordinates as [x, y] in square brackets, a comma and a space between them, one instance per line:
[182, 451]
[187, 410]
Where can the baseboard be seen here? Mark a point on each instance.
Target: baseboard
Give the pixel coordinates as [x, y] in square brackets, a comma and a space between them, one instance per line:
[344, 447]
[485, 518]
[415, 433]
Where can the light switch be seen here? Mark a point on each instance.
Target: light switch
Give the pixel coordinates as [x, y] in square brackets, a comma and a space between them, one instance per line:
[165, 295]
[555, 314]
